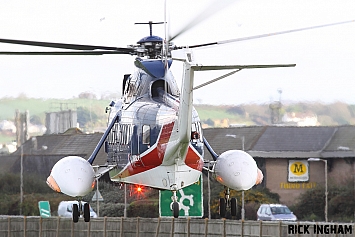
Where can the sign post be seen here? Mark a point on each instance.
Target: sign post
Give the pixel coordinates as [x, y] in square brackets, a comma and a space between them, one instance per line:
[97, 197]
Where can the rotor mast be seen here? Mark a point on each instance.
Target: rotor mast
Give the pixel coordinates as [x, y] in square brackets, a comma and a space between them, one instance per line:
[150, 23]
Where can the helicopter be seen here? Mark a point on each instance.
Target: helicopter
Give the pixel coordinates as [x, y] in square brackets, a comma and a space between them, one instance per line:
[154, 136]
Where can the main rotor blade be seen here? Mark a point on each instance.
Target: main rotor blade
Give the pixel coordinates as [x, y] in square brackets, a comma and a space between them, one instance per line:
[269, 34]
[95, 52]
[229, 67]
[63, 45]
[237, 67]
[208, 12]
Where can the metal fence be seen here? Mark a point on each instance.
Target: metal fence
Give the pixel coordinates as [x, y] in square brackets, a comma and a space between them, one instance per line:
[13, 226]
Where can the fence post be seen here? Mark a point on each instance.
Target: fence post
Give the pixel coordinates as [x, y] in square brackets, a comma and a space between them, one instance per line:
[89, 229]
[72, 228]
[206, 227]
[158, 227]
[121, 227]
[40, 227]
[224, 227]
[242, 228]
[137, 231]
[105, 218]
[188, 227]
[8, 227]
[172, 226]
[24, 226]
[260, 228]
[280, 228]
[57, 230]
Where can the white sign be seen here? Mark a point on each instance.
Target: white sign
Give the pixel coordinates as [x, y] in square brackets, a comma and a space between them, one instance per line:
[97, 196]
[298, 171]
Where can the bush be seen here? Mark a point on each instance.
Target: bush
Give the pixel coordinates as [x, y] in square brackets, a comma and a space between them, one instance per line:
[110, 209]
[34, 190]
[310, 205]
[148, 208]
[10, 184]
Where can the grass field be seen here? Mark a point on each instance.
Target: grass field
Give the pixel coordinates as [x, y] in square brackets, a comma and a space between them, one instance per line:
[39, 107]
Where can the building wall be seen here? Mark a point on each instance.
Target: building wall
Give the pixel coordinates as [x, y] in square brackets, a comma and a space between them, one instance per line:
[342, 171]
[59, 122]
[277, 180]
[277, 175]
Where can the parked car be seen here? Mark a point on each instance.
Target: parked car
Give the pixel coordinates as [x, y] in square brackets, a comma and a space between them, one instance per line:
[275, 212]
[65, 209]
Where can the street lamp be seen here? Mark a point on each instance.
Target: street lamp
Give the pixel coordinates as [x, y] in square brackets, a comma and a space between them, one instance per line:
[21, 171]
[326, 184]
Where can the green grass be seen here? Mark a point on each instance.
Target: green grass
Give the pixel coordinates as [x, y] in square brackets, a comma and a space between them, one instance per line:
[39, 107]
[212, 112]
[6, 138]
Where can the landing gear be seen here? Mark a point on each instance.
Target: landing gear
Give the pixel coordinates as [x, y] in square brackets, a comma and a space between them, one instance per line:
[79, 210]
[76, 213]
[222, 207]
[86, 212]
[227, 202]
[176, 209]
[233, 205]
[175, 205]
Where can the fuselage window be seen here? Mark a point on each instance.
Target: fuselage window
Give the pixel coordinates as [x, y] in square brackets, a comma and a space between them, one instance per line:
[146, 134]
[196, 132]
[125, 133]
[199, 130]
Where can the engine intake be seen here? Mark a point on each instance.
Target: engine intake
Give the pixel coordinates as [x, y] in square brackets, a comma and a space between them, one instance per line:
[73, 176]
[237, 170]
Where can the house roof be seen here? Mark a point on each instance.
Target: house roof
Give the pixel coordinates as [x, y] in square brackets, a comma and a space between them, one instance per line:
[285, 141]
[342, 143]
[224, 139]
[280, 138]
[66, 144]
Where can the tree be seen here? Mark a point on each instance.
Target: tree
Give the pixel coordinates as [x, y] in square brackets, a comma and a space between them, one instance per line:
[85, 116]
[87, 95]
[36, 120]
[310, 204]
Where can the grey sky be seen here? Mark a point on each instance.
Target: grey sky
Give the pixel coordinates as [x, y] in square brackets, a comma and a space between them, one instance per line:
[325, 57]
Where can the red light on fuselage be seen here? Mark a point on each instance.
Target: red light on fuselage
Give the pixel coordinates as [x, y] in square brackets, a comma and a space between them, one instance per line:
[139, 189]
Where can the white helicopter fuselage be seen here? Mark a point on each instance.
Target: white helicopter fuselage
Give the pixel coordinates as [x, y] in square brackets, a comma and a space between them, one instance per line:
[166, 146]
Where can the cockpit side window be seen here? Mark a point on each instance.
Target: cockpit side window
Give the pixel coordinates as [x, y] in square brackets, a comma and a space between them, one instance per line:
[196, 137]
[196, 132]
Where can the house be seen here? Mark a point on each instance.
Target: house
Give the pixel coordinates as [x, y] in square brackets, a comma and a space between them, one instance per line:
[300, 119]
[282, 153]
[40, 153]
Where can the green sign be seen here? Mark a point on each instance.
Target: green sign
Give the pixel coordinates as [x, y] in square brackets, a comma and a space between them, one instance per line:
[44, 209]
[190, 201]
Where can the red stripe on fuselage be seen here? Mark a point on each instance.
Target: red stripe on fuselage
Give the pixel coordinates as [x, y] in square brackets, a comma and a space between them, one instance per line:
[152, 159]
[193, 159]
[155, 157]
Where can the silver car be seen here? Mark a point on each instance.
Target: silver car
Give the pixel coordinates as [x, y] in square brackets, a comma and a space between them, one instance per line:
[275, 212]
